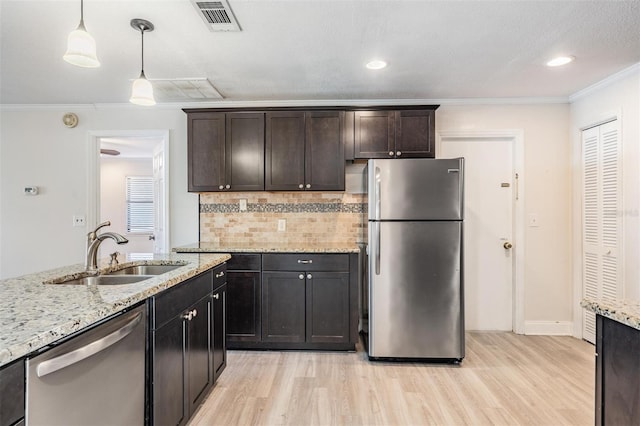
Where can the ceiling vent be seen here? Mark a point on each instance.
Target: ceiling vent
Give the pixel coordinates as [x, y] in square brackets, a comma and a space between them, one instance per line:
[185, 89]
[217, 15]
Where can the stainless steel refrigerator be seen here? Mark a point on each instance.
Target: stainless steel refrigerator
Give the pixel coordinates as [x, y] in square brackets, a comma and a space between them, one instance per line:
[415, 286]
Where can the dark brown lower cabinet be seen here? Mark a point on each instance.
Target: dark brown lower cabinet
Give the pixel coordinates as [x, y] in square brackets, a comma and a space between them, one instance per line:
[188, 350]
[617, 373]
[292, 301]
[283, 307]
[327, 307]
[311, 307]
[12, 393]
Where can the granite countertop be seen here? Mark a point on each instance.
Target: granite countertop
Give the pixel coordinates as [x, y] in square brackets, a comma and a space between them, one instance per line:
[33, 314]
[268, 247]
[624, 311]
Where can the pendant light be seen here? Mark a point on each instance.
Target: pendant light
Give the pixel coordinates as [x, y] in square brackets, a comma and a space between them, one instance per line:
[81, 47]
[142, 91]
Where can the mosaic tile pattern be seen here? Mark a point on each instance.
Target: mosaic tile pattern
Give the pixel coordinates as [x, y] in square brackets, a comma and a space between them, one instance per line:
[313, 219]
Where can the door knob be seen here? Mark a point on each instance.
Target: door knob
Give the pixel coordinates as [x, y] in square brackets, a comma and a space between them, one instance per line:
[507, 245]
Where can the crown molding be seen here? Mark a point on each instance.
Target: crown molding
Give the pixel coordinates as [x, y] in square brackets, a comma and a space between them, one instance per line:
[290, 103]
[635, 68]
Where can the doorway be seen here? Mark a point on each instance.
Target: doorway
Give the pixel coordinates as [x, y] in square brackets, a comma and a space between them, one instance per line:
[128, 185]
[493, 247]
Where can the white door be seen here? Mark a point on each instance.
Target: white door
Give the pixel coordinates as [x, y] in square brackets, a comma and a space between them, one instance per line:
[488, 227]
[159, 199]
[601, 223]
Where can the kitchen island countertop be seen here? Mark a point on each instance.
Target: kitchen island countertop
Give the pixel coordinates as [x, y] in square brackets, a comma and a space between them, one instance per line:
[623, 311]
[267, 247]
[34, 315]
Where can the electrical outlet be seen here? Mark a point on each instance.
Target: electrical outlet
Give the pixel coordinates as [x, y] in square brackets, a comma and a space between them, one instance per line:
[282, 225]
[78, 220]
[243, 204]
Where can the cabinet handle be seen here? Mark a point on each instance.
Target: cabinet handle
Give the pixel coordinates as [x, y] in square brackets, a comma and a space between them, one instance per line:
[301, 186]
[309, 276]
[399, 153]
[221, 187]
[301, 276]
[390, 153]
[228, 186]
[221, 274]
[195, 313]
[304, 262]
[216, 296]
[188, 316]
[308, 185]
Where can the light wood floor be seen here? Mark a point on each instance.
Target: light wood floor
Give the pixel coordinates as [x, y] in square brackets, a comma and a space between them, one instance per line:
[505, 379]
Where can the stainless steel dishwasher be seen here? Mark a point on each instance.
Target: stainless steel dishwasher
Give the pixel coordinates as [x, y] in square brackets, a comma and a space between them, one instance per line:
[96, 378]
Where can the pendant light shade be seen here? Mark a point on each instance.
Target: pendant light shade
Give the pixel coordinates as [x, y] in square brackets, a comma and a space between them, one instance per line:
[81, 47]
[142, 90]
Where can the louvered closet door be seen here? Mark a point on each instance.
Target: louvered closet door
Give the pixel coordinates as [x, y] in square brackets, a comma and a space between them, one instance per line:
[601, 274]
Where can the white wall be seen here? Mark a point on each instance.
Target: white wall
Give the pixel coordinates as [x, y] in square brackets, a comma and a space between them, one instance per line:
[547, 175]
[38, 150]
[37, 232]
[113, 202]
[617, 96]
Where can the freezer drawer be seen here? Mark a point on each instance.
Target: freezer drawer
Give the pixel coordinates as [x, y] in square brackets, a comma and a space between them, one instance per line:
[416, 290]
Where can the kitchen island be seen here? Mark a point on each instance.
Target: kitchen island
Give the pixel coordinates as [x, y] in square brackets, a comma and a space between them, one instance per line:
[34, 315]
[290, 295]
[617, 360]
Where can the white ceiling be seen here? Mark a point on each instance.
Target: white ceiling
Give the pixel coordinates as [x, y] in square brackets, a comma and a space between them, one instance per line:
[316, 49]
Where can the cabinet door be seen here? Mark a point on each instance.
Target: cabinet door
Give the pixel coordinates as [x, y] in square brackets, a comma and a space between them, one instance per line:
[374, 134]
[218, 330]
[327, 315]
[243, 307]
[244, 162]
[283, 304]
[206, 151]
[199, 352]
[12, 393]
[415, 133]
[169, 399]
[284, 168]
[324, 151]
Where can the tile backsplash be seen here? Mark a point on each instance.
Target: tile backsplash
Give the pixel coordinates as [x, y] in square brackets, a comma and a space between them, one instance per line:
[321, 217]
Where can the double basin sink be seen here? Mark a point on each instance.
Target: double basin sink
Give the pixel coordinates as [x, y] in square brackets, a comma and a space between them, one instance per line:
[126, 275]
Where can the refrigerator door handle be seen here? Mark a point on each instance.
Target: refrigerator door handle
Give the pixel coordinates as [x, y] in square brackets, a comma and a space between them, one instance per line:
[376, 230]
[377, 193]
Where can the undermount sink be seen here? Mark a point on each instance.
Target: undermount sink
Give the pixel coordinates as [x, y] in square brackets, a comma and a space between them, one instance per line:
[102, 280]
[144, 270]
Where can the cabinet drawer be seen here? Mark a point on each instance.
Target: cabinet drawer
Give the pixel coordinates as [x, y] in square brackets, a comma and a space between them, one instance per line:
[173, 301]
[219, 276]
[244, 262]
[305, 262]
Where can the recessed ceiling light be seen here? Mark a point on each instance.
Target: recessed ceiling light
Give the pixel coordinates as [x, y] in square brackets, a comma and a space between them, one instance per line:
[560, 60]
[376, 64]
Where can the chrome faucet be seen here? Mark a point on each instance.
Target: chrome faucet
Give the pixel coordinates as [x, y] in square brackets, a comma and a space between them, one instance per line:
[93, 242]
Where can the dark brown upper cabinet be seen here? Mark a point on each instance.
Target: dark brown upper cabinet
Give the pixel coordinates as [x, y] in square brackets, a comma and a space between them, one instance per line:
[225, 151]
[394, 134]
[304, 151]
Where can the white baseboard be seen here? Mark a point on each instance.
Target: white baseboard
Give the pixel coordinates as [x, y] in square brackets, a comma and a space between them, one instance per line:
[549, 328]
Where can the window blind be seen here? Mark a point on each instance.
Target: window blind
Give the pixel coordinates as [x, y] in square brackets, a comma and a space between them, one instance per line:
[140, 211]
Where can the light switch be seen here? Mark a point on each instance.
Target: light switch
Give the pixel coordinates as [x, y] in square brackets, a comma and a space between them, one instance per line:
[243, 204]
[282, 225]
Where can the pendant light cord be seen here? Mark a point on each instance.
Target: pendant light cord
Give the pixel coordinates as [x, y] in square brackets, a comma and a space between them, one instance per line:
[142, 33]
